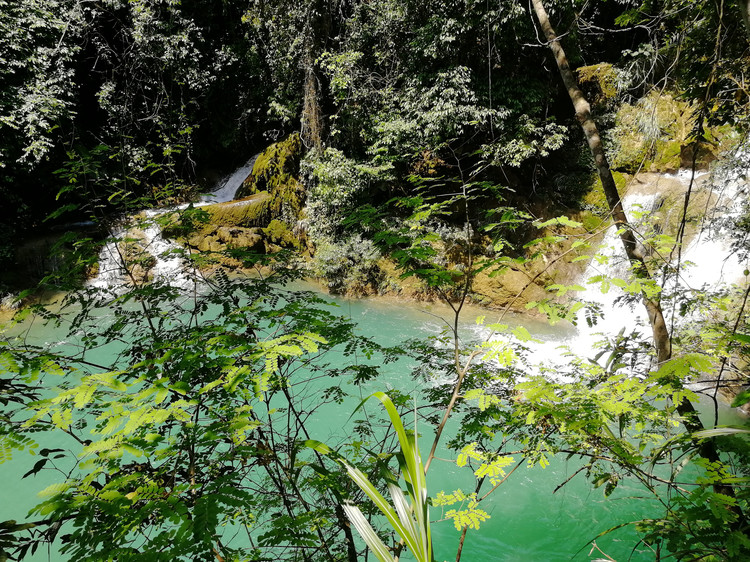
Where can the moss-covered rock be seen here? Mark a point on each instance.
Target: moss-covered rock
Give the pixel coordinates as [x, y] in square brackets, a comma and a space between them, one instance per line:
[655, 135]
[511, 288]
[253, 211]
[594, 200]
[219, 238]
[276, 172]
[278, 233]
[261, 219]
[599, 83]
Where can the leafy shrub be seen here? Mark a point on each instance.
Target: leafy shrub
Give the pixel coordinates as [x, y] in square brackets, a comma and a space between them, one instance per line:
[348, 267]
[336, 186]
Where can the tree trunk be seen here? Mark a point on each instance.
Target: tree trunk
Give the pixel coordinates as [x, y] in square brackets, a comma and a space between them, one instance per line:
[583, 115]
[744, 6]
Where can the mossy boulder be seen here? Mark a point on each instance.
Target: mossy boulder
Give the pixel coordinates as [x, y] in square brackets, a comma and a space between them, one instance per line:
[510, 288]
[261, 218]
[253, 211]
[599, 83]
[276, 172]
[655, 135]
[279, 234]
[221, 238]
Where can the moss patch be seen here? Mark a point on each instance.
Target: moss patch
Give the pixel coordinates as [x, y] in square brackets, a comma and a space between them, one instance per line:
[250, 212]
[278, 233]
[276, 172]
[595, 201]
[655, 135]
[599, 83]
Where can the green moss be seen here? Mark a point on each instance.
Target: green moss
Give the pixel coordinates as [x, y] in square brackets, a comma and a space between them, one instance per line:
[182, 223]
[590, 221]
[667, 156]
[276, 172]
[277, 232]
[599, 82]
[655, 134]
[253, 212]
[594, 200]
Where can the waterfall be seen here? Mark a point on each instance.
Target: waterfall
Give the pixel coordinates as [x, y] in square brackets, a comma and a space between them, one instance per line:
[160, 258]
[228, 186]
[715, 263]
[148, 254]
[609, 264]
[606, 317]
[707, 263]
[111, 269]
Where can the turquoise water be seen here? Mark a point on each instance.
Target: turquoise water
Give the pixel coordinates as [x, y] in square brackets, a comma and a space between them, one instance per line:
[529, 520]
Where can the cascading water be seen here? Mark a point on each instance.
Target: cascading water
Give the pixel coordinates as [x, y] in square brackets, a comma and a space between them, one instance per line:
[707, 260]
[168, 266]
[609, 318]
[228, 186]
[111, 269]
[155, 255]
[706, 263]
[715, 263]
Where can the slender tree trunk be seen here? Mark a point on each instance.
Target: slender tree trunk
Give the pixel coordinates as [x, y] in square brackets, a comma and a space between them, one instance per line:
[583, 115]
[744, 6]
[659, 328]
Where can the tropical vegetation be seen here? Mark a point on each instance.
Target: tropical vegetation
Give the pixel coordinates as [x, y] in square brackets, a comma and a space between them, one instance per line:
[467, 152]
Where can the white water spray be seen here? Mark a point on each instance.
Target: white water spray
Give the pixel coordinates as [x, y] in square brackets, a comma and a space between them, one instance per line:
[168, 266]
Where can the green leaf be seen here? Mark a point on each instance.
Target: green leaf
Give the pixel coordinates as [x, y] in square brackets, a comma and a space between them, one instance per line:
[741, 399]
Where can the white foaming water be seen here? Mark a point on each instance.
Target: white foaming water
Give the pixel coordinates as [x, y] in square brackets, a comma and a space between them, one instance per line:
[715, 264]
[613, 320]
[707, 263]
[169, 267]
[228, 186]
[111, 269]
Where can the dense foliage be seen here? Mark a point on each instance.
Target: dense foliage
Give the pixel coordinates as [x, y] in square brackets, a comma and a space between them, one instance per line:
[430, 137]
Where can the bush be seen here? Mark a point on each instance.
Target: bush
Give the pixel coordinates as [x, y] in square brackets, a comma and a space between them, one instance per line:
[348, 267]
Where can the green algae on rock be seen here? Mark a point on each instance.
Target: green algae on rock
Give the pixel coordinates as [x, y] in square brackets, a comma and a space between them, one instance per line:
[276, 172]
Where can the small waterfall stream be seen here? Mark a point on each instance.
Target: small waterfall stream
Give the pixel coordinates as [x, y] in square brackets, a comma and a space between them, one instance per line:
[145, 236]
[227, 187]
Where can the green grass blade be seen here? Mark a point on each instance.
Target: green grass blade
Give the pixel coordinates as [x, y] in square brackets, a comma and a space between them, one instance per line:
[367, 533]
[404, 511]
[361, 480]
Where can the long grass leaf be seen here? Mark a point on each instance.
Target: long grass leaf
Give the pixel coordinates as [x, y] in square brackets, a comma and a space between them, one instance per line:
[367, 533]
[361, 480]
[403, 510]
